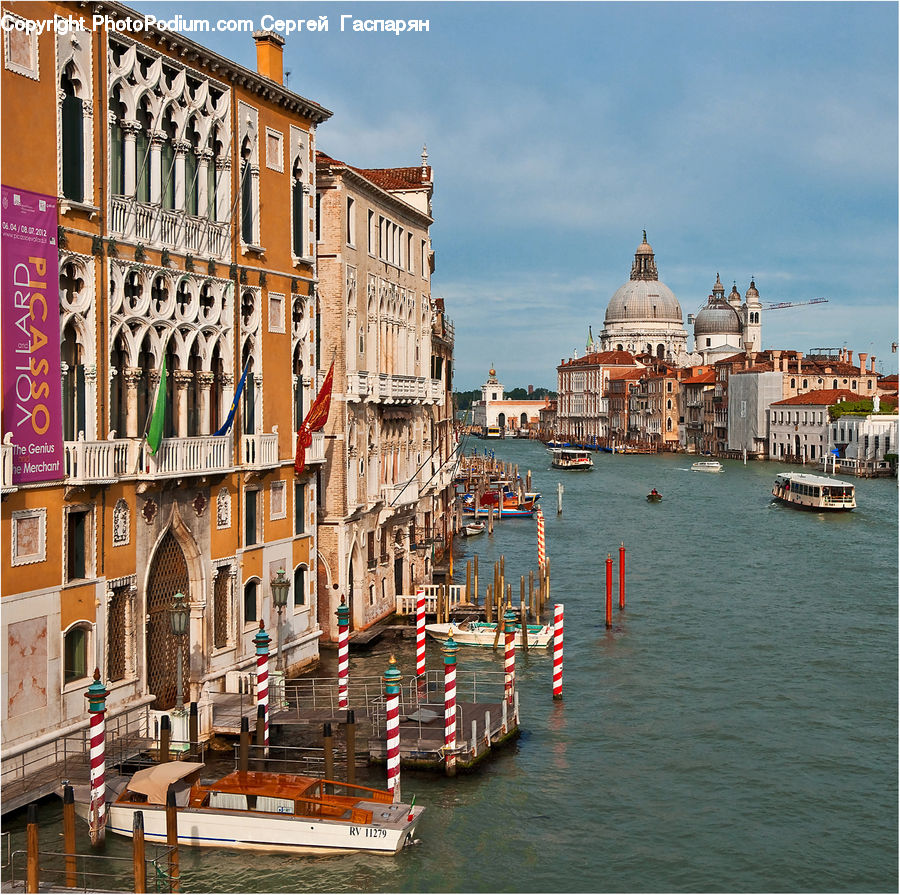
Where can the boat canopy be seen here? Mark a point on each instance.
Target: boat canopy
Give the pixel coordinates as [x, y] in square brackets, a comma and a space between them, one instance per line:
[154, 782]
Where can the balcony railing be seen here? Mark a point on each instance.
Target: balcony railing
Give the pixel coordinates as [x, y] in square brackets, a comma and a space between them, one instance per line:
[259, 451]
[393, 388]
[157, 227]
[400, 495]
[179, 456]
[315, 453]
[99, 461]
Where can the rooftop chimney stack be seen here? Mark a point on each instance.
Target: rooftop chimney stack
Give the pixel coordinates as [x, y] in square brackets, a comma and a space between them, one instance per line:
[872, 364]
[849, 356]
[862, 363]
[270, 55]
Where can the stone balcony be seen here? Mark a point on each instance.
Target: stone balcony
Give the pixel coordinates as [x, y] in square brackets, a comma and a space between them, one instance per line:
[162, 228]
[259, 451]
[400, 495]
[389, 388]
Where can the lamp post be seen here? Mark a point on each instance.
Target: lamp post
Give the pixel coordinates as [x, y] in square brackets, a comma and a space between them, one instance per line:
[178, 618]
[280, 587]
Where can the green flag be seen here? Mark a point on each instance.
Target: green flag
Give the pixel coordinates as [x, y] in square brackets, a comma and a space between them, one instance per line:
[154, 433]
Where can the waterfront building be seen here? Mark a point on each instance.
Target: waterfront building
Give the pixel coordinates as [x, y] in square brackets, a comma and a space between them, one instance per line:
[507, 414]
[800, 426]
[582, 413]
[643, 315]
[387, 484]
[724, 327]
[698, 382]
[750, 392]
[621, 383]
[159, 157]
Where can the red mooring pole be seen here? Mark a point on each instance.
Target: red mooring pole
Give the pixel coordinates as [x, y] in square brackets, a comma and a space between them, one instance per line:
[608, 590]
[622, 576]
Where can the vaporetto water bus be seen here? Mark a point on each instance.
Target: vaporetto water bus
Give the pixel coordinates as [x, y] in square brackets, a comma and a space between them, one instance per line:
[814, 492]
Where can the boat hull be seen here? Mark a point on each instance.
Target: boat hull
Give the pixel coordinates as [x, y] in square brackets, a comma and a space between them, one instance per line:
[264, 831]
[539, 639]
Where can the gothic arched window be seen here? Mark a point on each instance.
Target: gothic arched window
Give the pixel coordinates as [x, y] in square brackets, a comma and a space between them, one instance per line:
[72, 138]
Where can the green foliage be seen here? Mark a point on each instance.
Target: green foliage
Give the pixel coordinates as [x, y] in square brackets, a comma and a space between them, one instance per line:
[891, 458]
[858, 408]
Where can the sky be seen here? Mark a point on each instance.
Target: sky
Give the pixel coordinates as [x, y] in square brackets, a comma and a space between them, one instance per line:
[748, 139]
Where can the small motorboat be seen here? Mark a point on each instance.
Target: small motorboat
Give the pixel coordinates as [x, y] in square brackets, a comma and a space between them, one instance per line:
[654, 496]
[473, 528]
[707, 466]
[484, 634]
[262, 811]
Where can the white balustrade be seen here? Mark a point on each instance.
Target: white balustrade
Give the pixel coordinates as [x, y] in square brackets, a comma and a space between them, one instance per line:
[401, 494]
[159, 228]
[179, 456]
[259, 450]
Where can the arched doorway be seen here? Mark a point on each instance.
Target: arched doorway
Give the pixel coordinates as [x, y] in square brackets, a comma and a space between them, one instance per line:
[168, 575]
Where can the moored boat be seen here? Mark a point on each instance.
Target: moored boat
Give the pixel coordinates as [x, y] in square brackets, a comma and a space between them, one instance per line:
[569, 458]
[473, 528]
[813, 492]
[505, 513]
[707, 466]
[485, 633]
[262, 811]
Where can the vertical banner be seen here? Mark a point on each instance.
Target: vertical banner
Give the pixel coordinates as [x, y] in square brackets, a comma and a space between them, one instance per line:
[29, 309]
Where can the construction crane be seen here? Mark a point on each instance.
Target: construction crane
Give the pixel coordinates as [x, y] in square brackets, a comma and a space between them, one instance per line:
[793, 304]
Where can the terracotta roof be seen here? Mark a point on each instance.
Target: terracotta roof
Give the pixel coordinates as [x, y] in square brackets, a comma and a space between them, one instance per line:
[598, 358]
[701, 379]
[390, 179]
[823, 397]
[633, 373]
[888, 381]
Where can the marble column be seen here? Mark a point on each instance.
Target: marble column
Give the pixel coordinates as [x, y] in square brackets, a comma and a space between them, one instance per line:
[132, 378]
[205, 380]
[183, 379]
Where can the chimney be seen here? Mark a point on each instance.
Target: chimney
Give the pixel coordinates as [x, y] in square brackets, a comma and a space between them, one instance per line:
[799, 364]
[270, 55]
[776, 361]
[862, 363]
[849, 356]
[872, 364]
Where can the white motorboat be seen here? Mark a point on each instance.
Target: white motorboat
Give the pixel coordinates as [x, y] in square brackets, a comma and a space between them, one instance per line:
[813, 492]
[707, 466]
[473, 528]
[262, 811]
[484, 634]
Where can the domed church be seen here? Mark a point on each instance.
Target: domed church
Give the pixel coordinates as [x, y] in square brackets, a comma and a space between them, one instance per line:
[727, 326]
[644, 316]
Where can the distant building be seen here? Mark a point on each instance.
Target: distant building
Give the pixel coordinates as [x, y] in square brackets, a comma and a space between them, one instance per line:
[508, 415]
[800, 427]
[644, 316]
[726, 326]
[582, 407]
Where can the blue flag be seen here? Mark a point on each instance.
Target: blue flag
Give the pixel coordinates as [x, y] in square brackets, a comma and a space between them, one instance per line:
[223, 429]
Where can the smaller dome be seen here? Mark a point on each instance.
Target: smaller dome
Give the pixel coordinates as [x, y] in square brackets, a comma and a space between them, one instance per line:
[492, 372]
[751, 292]
[718, 319]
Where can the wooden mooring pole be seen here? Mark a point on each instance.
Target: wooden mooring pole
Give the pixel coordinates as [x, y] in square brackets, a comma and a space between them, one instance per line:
[350, 734]
[165, 734]
[138, 852]
[69, 836]
[32, 873]
[172, 840]
[244, 747]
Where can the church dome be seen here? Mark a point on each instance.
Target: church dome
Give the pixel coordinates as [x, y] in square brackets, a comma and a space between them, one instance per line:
[644, 298]
[717, 319]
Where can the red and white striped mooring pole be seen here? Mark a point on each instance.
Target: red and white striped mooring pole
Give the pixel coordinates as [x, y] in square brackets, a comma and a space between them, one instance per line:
[96, 695]
[392, 727]
[557, 650]
[343, 617]
[262, 677]
[509, 618]
[449, 649]
[542, 550]
[420, 632]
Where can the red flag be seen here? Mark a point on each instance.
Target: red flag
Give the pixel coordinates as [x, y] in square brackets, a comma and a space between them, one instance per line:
[314, 422]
